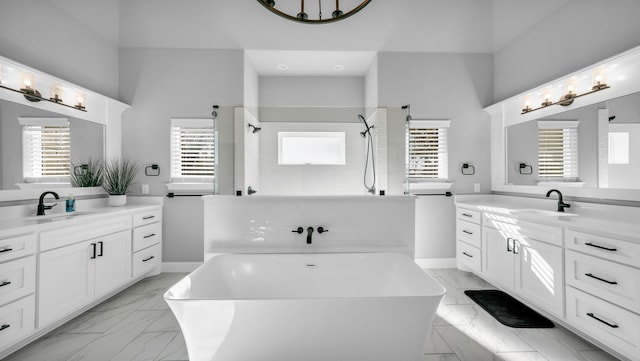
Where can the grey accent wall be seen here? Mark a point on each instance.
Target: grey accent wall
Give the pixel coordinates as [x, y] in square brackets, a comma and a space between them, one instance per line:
[40, 35]
[439, 86]
[566, 41]
[161, 84]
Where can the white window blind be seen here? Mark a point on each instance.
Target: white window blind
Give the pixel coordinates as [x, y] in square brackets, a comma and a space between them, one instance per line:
[427, 150]
[558, 150]
[192, 150]
[46, 148]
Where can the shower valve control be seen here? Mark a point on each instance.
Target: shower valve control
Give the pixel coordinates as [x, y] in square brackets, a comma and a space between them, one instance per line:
[321, 230]
[298, 230]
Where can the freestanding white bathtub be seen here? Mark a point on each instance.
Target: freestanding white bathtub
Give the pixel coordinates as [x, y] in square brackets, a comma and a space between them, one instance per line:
[312, 307]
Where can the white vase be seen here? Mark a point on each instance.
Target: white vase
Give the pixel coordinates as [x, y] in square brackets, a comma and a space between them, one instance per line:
[117, 200]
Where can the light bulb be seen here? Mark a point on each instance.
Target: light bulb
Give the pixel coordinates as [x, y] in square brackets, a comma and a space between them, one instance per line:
[570, 89]
[599, 78]
[27, 83]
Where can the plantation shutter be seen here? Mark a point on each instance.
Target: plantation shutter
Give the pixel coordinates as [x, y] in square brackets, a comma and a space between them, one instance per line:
[558, 150]
[46, 148]
[427, 143]
[192, 150]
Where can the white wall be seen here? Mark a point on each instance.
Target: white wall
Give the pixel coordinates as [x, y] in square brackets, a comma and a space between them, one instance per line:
[174, 83]
[371, 85]
[438, 86]
[40, 35]
[310, 91]
[578, 34]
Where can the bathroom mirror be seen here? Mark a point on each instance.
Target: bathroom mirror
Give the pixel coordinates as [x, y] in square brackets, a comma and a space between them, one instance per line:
[606, 153]
[86, 142]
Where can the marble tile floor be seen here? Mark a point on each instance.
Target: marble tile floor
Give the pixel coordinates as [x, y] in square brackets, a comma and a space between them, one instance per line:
[136, 324]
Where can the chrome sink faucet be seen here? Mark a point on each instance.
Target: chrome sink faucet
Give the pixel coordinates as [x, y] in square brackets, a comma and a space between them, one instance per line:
[561, 205]
[41, 206]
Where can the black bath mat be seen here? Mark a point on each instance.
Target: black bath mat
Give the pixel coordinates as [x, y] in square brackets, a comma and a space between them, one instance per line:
[507, 310]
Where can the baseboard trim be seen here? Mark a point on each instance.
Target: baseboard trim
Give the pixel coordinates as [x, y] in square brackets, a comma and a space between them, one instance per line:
[179, 267]
[436, 262]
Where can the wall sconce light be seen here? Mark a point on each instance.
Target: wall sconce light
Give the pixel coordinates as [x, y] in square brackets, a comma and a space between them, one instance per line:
[26, 85]
[80, 101]
[525, 169]
[599, 83]
[254, 129]
[28, 82]
[468, 169]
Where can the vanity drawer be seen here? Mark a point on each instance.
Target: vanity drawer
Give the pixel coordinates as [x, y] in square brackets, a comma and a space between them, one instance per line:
[96, 228]
[468, 257]
[538, 232]
[616, 327]
[17, 279]
[17, 320]
[469, 215]
[146, 236]
[145, 260]
[17, 246]
[469, 232]
[143, 218]
[614, 282]
[612, 249]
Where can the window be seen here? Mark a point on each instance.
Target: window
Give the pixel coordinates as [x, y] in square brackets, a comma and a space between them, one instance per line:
[192, 150]
[618, 148]
[427, 150]
[558, 150]
[46, 149]
[316, 148]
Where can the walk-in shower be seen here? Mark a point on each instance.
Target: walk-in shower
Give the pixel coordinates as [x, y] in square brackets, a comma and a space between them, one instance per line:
[369, 157]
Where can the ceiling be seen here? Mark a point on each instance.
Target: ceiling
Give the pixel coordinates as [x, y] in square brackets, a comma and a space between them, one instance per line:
[451, 26]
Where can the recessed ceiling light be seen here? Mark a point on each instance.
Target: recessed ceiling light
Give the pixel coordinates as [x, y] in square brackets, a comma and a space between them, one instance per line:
[282, 67]
[338, 67]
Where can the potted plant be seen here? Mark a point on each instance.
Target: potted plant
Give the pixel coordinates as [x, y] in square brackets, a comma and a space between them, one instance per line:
[86, 174]
[117, 177]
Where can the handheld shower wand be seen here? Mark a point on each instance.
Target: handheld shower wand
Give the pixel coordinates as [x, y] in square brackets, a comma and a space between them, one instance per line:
[369, 139]
[366, 131]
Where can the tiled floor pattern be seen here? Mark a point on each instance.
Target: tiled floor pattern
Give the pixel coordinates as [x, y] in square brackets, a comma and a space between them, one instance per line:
[136, 324]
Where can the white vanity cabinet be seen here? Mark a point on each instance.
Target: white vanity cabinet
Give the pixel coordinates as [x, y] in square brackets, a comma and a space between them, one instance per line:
[525, 258]
[75, 273]
[468, 239]
[603, 288]
[147, 242]
[17, 286]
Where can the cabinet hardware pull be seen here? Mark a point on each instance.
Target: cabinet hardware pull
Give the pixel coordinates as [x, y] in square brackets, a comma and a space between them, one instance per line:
[93, 252]
[5, 283]
[601, 320]
[101, 248]
[509, 244]
[466, 254]
[467, 215]
[601, 247]
[148, 259]
[6, 250]
[150, 235]
[148, 217]
[467, 232]
[601, 279]
[4, 327]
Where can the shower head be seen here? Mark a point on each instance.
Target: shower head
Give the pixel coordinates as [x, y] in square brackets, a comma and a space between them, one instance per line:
[214, 113]
[255, 129]
[366, 131]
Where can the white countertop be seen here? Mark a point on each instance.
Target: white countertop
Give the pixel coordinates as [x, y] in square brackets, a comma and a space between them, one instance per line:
[603, 219]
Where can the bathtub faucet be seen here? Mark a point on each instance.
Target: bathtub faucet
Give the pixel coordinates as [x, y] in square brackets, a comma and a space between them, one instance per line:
[309, 233]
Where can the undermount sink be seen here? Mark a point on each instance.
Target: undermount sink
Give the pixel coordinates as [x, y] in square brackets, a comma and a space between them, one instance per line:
[543, 212]
[57, 216]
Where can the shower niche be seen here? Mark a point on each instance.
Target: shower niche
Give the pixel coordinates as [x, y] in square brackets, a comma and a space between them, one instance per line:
[310, 151]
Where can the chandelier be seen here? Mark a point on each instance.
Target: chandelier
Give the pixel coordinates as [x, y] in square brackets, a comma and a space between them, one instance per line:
[297, 13]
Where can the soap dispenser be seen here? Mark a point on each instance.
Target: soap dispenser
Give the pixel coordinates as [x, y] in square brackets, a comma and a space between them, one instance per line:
[71, 203]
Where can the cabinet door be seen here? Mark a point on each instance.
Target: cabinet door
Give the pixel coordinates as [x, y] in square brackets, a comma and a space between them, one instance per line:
[66, 281]
[539, 275]
[497, 257]
[113, 262]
